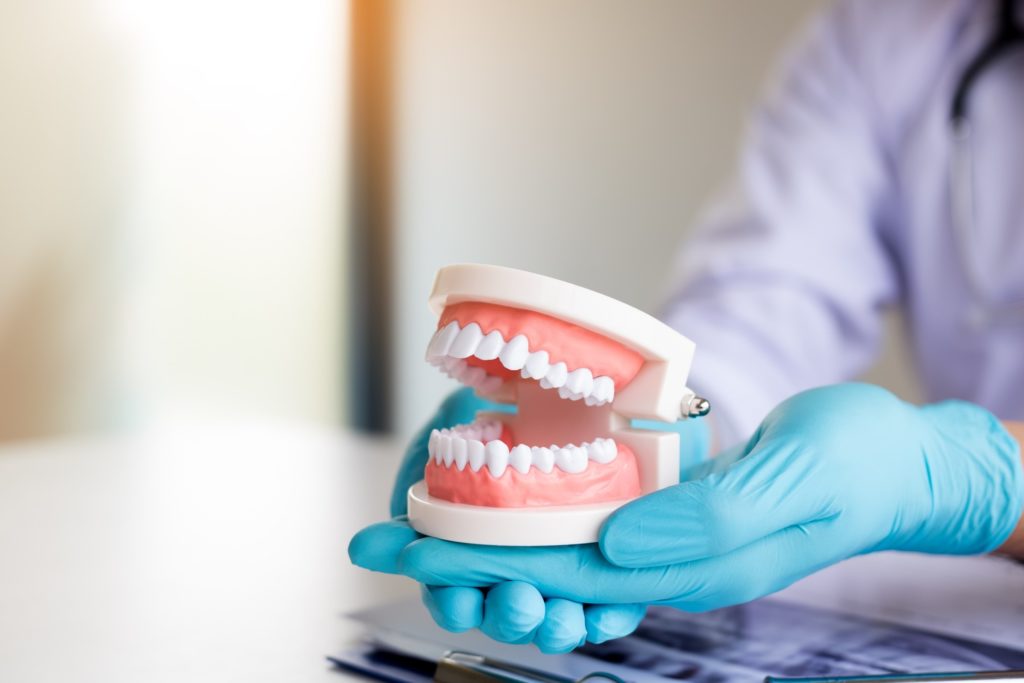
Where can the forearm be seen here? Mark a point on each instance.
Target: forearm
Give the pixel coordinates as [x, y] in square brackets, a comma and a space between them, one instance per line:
[1014, 545]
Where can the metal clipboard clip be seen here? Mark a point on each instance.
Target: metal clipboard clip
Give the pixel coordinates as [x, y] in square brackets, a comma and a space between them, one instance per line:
[467, 667]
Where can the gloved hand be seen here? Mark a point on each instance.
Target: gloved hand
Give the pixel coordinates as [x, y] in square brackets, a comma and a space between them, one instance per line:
[515, 612]
[830, 473]
[510, 611]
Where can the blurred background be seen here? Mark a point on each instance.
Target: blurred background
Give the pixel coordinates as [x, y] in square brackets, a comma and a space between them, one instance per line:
[222, 209]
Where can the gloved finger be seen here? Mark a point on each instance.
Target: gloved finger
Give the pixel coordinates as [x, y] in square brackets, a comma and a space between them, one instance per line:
[608, 622]
[444, 563]
[582, 574]
[718, 463]
[573, 572]
[563, 629]
[755, 570]
[771, 488]
[454, 608]
[377, 547]
[513, 610]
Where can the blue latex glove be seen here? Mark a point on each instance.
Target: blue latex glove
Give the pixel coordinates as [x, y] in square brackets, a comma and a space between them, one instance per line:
[515, 612]
[510, 611]
[830, 473]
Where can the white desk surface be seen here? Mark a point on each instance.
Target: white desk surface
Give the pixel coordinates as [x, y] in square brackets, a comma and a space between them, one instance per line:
[219, 554]
[205, 554]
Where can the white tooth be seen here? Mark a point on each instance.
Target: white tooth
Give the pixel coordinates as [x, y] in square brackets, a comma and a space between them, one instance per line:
[579, 457]
[466, 342]
[580, 381]
[445, 442]
[567, 393]
[453, 367]
[592, 400]
[465, 372]
[571, 459]
[602, 451]
[536, 365]
[611, 448]
[460, 453]
[555, 376]
[491, 346]
[515, 352]
[439, 446]
[520, 458]
[497, 457]
[475, 453]
[442, 340]
[543, 459]
[432, 443]
[448, 363]
[473, 376]
[604, 388]
[561, 458]
[489, 385]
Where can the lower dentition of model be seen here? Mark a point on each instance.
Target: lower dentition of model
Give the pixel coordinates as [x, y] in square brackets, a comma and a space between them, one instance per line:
[556, 450]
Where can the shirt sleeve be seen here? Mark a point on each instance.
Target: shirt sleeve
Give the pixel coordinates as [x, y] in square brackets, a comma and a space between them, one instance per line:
[783, 284]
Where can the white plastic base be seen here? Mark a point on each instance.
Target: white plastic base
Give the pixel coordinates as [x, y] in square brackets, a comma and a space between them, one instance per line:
[554, 525]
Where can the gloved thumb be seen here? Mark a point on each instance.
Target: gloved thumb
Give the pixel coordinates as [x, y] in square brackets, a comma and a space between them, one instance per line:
[378, 547]
[707, 517]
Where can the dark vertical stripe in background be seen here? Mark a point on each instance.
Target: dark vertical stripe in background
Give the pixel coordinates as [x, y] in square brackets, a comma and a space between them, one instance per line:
[369, 266]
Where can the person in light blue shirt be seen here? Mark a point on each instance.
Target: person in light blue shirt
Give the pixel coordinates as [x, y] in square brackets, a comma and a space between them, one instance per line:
[885, 168]
[846, 202]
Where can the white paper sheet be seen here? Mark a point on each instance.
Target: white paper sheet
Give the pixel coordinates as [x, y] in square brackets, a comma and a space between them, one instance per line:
[973, 597]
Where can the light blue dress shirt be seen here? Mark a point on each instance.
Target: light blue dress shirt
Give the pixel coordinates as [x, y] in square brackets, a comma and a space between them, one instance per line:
[841, 207]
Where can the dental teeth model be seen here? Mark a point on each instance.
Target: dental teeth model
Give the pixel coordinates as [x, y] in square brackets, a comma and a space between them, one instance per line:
[578, 365]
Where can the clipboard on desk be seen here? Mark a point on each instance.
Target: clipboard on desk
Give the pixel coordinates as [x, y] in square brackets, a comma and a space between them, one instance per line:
[791, 638]
[469, 667]
[390, 666]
